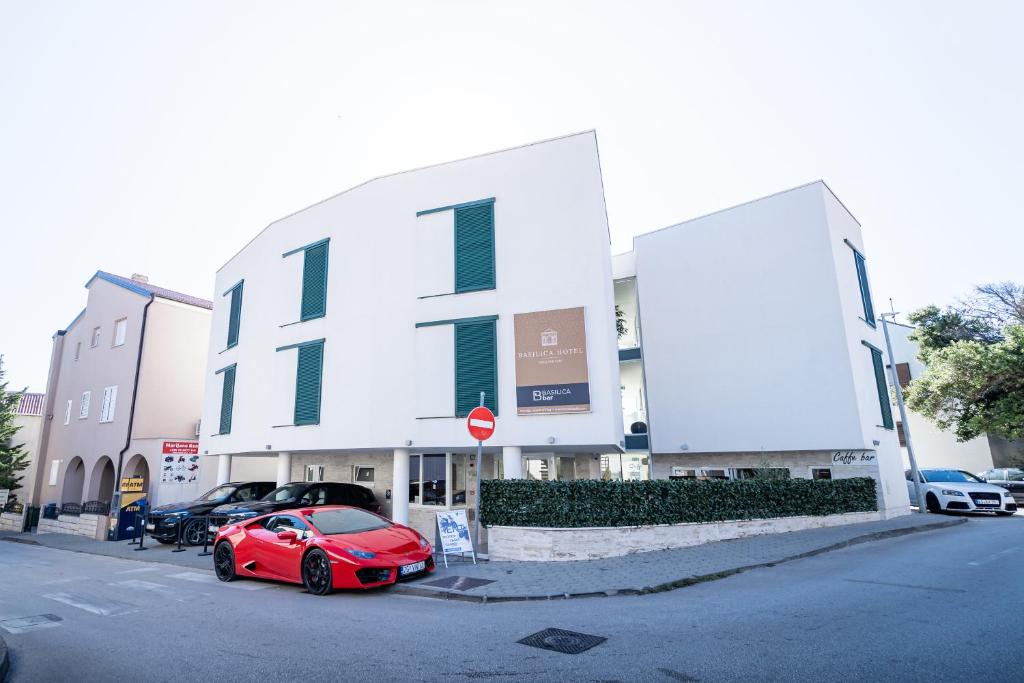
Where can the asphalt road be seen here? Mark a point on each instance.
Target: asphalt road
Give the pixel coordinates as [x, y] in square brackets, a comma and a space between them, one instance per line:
[930, 606]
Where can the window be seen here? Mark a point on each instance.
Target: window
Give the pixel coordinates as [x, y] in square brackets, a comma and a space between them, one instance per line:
[903, 374]
[314, 473]
[83, 407]
[331, 522]
[363, 474]
[316, 495]
[120, 331]
[430, 475]
[78, 349]
[67, 413]
[227, 398]
[95, 337]
[881, 385]
[473, 244]
[821, 473]
[314, 279]
[865, 292]
[234, 313]
[476, 366]
[279, 523]
[308, 379]
[109, 402]
[759, 473]
[901, 435]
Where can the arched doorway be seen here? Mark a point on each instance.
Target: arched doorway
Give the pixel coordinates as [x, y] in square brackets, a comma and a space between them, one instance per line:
[101, 483]
[74, 481]
[137, 467]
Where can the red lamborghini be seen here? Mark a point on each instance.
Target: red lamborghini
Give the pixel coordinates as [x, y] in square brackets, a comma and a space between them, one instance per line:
[323, 548]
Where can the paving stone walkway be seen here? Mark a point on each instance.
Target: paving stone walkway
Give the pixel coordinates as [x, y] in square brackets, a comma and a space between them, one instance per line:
[627, 575]
[654, 571]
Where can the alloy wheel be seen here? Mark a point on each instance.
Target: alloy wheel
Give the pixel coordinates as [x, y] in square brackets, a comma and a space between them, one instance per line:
[316, 573]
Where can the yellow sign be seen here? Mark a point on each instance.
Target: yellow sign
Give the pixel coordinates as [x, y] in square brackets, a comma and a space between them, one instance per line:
[131, 484]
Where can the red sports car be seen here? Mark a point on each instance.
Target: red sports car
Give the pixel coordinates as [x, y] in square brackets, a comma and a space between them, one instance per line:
[328, 547]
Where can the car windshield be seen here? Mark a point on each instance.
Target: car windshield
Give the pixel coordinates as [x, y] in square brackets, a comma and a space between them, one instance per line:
[331, 522]
[951, 476]
[217, 493]
[286, 492]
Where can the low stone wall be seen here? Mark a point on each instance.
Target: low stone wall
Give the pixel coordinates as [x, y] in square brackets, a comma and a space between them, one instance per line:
[12, 522]
[90, 526]
[546, 544]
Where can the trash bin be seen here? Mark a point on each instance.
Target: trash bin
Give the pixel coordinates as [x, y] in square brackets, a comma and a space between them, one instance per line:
[50, 511]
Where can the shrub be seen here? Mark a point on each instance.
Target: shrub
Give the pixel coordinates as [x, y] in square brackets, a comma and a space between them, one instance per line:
[585, 502]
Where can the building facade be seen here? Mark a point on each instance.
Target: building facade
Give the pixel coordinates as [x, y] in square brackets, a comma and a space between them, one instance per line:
[350, 339]
[932, 446]
[126, 379]
[28, 418]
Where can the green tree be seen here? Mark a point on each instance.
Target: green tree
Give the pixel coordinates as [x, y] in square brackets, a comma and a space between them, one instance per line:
[12, 458]
[974, 352]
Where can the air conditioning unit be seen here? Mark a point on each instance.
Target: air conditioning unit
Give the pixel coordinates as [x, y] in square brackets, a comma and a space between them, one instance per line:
[198, 425]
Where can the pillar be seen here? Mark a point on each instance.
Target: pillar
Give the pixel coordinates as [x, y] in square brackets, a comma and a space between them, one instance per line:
[223, 468]
[284, 468]
[400, 487]
[512, 462]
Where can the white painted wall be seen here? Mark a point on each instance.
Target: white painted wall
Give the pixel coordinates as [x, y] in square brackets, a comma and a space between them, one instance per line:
[552, 251]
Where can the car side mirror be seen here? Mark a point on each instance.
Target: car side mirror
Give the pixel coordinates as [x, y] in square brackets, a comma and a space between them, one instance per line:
[289, 536]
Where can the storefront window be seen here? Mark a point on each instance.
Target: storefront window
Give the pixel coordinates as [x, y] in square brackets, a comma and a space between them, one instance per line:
[536, 469]
[430, 475]
[611, 467]
[634, 467]
[565, 468]
[459, 475]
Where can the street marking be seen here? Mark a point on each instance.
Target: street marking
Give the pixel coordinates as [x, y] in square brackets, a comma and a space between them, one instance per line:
[179, 594]
[141, 569]
[994, 556]
[34, 623]
[908, 585]
[104, 607]
[210, 579]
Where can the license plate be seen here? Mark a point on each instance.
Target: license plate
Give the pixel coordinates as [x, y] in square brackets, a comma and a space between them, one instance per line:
[412, 568]
[151, 527]
[213, 528]
[987, 501]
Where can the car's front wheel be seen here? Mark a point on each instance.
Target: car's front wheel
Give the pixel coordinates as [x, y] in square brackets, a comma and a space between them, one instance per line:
[932, 503]
[316, 572]
[224, 562]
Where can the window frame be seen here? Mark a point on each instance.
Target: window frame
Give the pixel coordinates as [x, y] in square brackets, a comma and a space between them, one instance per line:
[882, 386]
[95, 340]
[456, 209]
[236, 291]
[121, 324]
[229, 370]
[326, 244]
[305, 422]
[109, 405]
[83, 407]
[67, 412]
[863, 284]
[418, 481]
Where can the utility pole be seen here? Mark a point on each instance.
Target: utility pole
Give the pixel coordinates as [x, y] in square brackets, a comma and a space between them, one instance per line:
[914, 472]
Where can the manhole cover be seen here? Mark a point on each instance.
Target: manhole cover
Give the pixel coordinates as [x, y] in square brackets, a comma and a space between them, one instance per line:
[559, 640]
[458, 583]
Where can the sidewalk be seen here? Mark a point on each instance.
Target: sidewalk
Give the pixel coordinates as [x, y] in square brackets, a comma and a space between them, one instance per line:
[627, 575]
[650, 572]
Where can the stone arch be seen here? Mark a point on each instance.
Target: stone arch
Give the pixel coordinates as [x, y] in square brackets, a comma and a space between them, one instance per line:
[74, 481]
[101, 483]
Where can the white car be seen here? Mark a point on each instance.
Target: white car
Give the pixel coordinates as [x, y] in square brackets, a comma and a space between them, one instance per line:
[959, 491]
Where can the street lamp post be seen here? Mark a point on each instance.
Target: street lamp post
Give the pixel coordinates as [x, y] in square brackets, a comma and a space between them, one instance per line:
[914, 473]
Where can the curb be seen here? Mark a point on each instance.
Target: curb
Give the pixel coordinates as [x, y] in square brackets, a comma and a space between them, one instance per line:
[5, 661]
[678, 583]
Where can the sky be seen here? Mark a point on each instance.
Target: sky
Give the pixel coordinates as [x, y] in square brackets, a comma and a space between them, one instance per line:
[158, 138]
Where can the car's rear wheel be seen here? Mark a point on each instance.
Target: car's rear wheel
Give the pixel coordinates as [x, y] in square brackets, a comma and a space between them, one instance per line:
[195, 532]
[932, 503]
[224, 561]
[316, 572]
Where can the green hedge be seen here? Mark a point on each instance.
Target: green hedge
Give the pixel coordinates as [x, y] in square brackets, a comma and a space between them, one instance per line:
[584, 503]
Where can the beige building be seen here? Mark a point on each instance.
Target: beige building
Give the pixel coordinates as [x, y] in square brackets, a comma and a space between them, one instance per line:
[124, 397]
[28, 418]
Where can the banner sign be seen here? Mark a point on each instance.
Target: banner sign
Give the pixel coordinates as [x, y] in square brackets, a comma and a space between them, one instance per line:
[551, 362]
[454, 532]
[181, 448]
[179, 469]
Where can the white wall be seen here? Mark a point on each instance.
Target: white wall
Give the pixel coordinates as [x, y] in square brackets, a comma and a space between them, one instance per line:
[552, 251]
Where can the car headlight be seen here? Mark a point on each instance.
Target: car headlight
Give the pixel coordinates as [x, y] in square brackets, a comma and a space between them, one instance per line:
[423, 543]
[951, 492]
[361, 554]
[1007, 494]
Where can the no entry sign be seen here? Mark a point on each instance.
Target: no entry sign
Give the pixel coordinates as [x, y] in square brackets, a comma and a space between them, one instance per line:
[480, 423]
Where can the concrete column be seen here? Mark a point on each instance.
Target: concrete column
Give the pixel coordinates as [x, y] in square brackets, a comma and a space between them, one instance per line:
[400, 487]
[284, 468]
[223, 468]
[512, 462]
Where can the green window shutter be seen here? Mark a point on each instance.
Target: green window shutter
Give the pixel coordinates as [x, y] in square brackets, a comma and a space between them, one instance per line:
[474, 247]
[227, 400]
[865, 292]
[308, 383]
[883, 388]
[235, 315]
[314, 282]
[476, 366]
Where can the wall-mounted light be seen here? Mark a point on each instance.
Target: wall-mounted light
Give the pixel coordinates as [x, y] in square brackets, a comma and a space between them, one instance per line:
[551, 439]
[877, 442]
[408, 442]
[267, 446]
[684, 447]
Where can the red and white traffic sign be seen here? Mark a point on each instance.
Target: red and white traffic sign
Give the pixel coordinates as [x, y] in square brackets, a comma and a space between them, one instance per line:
[480, 423]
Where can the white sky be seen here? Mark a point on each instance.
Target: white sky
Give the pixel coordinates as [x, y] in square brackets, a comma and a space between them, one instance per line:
[160, 137]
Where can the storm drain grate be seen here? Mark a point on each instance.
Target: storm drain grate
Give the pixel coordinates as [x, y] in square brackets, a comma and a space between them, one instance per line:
[459, 583]
[559, 640]
[26, 624]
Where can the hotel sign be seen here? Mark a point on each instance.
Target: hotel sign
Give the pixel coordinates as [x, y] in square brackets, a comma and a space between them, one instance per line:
[551, 362]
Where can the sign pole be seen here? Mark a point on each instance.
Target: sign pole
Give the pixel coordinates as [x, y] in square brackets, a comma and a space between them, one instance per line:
[479, 464]
[914, 471]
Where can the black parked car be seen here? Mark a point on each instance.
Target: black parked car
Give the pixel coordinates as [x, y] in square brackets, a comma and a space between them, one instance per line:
[1011, 479]
[164, 520]
[296, 495]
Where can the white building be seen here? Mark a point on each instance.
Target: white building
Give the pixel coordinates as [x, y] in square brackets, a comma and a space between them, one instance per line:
[351, 338]
[932, 446]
